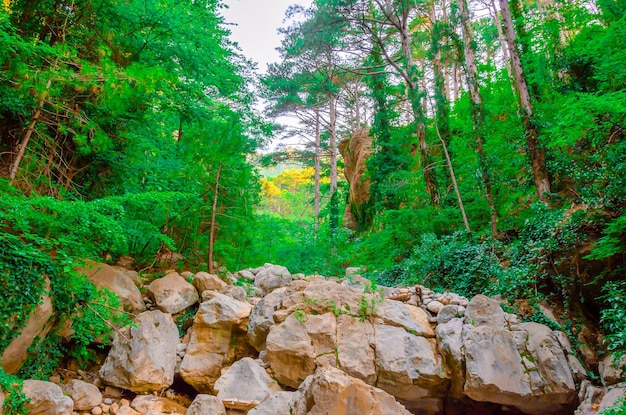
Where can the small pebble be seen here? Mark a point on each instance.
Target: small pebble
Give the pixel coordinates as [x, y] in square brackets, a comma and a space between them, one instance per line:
[96, 411]
[108, 401]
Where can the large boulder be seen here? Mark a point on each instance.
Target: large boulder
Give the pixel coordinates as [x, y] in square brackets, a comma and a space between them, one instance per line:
[116, 280]
[37, 326]
[204, 281]
[218, 338]
[261, 318]
[172, 294]
[147, 403]
[271, 277]
[410, 369]
[206, 405]
[46, 398]
[85, 395]
[244, 385]
[518, 365]
[143, 358]
[331, 391]
[612, 371]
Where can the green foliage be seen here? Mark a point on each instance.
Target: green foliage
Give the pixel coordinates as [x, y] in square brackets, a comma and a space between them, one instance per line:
[613, 317]
[613, 241]
[14, 398]
[618, 408]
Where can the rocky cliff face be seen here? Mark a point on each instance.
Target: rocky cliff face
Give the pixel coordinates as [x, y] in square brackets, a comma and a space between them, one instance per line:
[290, 344]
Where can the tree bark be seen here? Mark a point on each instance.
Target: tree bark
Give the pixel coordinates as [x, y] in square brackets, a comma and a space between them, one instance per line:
[316, 199]
[212, 226]
[535, 152]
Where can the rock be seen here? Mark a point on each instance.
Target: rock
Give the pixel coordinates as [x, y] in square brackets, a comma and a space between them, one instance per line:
[246, 275]
[37, 326]
[46, 398]
[330, 391]
[578, 371]
[219, 324]
[450, 343]
[277, 404]
[261, 318]
[589, 397]
[434, 306]
[118, 281]
[523, 366]
[611, 397]
[271, 277]
[409, 368]
[494, 368]
[206, 405]
[146, 359]
[204, 281]
[291, 351]
[84, 395]
[447, 313]
[411, 318]
[96, 411]
[172, 294]
[612, 372]
[234, 291]
[244, 385]
[483, 311]
[126, 410]
[146, 403]
[355, 353]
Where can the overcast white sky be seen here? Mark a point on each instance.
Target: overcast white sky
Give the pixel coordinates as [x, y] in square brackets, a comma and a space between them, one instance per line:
[256, 30]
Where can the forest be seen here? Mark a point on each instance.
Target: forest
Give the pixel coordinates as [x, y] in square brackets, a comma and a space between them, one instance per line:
[474, 146]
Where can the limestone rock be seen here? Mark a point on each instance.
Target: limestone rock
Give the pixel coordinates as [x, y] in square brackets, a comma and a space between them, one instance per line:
[206, 405]
[118, 281]
[146, 403]
[278, 403]
[37, 326]
[46, 398]
[355, 354]
[244, 385]
[85, 395]
[246, 275]
[409, 368]
[450, 343]
[331, 391]
[204, 281]
[521, 365]
[261, 318]
[434, 306]
[483, 311]
[611, 372]
[220, 323]
[126, 410]
[271, 277]
[172, 294]
[234, 291]
[292, 346]
[410, 318]
[611, 397]
[146, 359]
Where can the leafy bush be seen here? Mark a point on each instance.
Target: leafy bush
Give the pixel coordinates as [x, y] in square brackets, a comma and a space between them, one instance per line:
[613, 317]
[453, 263]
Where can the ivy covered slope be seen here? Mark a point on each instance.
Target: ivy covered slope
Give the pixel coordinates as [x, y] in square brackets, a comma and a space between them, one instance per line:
[125, 129]
[498, 162]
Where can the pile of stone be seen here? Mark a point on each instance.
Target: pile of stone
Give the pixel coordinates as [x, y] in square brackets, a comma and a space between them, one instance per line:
[266, 342]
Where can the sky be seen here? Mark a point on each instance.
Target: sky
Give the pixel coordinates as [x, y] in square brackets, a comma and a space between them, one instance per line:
[256, 27]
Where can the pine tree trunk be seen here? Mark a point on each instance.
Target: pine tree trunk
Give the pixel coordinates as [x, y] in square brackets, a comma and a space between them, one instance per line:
[213, 227]
[536, 153]
[316, 199]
